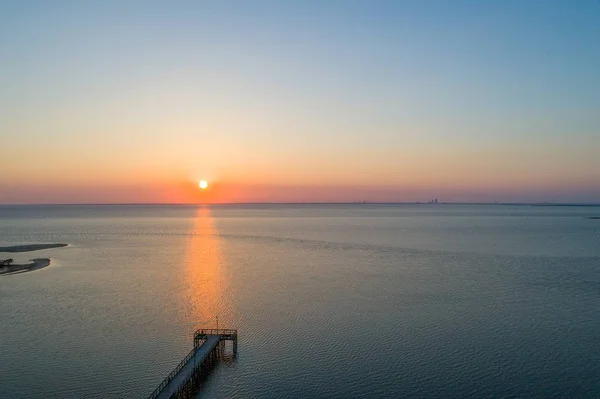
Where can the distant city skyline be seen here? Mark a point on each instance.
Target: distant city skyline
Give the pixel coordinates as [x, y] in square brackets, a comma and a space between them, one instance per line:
[338, 101]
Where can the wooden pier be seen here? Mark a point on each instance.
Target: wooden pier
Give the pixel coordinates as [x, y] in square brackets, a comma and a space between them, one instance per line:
[209, 347]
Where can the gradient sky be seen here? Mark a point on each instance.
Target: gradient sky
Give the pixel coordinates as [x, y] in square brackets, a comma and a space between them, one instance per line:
[298, 101]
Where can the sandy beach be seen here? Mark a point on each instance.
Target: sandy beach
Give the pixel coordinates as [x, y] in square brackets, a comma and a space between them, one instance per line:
[37, 264]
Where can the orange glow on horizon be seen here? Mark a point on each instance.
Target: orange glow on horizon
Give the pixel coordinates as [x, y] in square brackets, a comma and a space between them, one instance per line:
[410, 186]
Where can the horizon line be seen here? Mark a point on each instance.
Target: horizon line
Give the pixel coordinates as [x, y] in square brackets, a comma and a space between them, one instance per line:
[312, 203]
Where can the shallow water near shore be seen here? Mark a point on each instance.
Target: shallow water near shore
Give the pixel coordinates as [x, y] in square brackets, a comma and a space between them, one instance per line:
[330, 300]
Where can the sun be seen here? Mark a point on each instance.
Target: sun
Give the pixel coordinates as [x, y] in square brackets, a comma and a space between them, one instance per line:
[203, 184]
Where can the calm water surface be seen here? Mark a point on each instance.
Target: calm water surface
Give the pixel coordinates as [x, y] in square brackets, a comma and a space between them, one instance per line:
[330, 300]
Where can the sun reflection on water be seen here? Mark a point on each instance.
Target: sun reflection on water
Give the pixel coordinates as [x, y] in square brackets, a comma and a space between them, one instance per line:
[204, 274]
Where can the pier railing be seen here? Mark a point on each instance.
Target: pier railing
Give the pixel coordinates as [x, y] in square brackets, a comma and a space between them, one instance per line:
[215, 331]
[225, 334]
[172, 374]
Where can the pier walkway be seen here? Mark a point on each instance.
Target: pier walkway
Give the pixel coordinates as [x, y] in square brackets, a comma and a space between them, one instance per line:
[209, 346]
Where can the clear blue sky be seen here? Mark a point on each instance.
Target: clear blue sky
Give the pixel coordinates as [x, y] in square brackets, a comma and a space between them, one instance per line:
[377, 100]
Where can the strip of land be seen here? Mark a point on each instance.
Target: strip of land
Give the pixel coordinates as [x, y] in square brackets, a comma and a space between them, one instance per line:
[30, 247]
[14, 269]
[7, 267]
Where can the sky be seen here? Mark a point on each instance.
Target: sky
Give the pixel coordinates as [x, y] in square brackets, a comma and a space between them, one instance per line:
[299, 101]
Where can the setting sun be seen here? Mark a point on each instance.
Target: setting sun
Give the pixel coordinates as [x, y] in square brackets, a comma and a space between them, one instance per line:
[203, 184]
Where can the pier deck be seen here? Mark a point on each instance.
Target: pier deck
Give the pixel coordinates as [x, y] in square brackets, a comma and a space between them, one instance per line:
[208, 347]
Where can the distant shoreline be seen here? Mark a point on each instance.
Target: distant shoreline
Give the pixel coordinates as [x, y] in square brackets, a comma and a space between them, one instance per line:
[549, 204]
[28, 248]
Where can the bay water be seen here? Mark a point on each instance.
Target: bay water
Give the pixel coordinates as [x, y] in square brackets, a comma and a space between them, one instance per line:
[332, 301]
